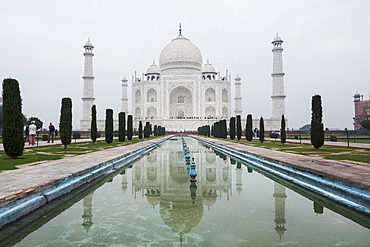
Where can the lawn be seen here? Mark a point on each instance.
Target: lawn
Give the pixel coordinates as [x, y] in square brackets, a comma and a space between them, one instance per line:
[326, 152]
[37, 155]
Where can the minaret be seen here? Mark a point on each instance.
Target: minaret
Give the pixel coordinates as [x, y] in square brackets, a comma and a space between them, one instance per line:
[124, 98]
[88, 90]
[280, 197]
[87, 216]
[278, 105]
[238, 96]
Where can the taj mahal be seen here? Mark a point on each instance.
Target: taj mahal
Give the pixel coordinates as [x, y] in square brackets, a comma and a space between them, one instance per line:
[181, 93]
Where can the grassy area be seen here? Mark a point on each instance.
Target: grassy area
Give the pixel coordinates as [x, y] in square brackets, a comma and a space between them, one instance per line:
[37, 155]
[326, 152]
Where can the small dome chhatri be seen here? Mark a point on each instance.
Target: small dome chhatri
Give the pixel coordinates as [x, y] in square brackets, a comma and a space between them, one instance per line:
[153, 69]
[88, 43]
[208, 68]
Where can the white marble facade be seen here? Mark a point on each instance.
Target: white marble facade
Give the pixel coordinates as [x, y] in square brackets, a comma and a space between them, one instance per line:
[179, 93]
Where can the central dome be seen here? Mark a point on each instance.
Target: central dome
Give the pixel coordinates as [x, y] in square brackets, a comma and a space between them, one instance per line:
[180, 53]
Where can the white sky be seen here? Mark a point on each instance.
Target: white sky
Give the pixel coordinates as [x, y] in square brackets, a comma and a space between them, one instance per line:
[326, 50]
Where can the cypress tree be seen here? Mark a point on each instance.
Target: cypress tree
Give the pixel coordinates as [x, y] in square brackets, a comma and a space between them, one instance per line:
[155, 130]
[262, 130]
[94, 129]
[232, 128]
[12, 119]
[66, 122]
[140, 134]
[129, 127]
[121, 126]
[238, 127]
[248, 130]
[317, 127]
[283, 131]
[109, 125]
[224, 128]
[147, 130]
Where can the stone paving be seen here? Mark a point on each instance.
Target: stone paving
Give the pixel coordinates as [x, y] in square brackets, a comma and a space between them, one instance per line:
[354, 174]
[19, 183]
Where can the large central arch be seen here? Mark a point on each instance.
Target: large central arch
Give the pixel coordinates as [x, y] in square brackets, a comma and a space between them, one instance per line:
[181, 103]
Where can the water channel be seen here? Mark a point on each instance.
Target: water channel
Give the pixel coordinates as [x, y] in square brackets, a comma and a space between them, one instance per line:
[153, 203]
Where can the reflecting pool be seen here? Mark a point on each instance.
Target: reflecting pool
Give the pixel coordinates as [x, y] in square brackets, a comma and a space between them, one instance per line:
[153, 203]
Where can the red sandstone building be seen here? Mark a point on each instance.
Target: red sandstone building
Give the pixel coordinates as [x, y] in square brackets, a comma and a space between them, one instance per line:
[362, 110]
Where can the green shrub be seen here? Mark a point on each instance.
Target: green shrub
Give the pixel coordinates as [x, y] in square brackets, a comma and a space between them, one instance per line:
[296, 137]
[44, 137]
[333, 138]
[75, 135]
[274, 135]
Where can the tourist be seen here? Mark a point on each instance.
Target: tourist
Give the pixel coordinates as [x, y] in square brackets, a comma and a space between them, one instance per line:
[32, 133]
[51, 133]
[26, 133]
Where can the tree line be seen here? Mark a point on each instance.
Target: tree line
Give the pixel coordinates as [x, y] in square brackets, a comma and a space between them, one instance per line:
[12, 121]
[219, 129]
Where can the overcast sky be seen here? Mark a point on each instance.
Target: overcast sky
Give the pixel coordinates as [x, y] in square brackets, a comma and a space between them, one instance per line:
[326, 50]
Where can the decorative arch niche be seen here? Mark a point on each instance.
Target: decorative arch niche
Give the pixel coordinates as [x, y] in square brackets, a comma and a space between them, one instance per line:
[152, 113]
[225, 95]
[137, 96]
[210, 112]
[181, 103]
[210, 95]
[151, 95]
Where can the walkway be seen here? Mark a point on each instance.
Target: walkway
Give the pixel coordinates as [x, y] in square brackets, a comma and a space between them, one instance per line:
[19, 183]
[354, 174]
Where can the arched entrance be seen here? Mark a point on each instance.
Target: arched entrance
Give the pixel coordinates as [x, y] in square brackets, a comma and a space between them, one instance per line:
[181, 103]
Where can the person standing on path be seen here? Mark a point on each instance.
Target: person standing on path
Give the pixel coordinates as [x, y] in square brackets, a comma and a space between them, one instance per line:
[32, 133]
[51, 132]
[26, 133]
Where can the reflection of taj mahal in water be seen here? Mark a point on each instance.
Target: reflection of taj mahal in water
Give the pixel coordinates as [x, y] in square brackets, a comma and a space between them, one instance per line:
[163, 179]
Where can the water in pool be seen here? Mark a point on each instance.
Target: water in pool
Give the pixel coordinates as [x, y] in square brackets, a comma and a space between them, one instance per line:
[153, 203]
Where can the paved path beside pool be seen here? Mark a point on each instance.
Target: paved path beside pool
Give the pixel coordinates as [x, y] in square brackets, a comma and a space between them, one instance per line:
[354, 174]
[16, 184]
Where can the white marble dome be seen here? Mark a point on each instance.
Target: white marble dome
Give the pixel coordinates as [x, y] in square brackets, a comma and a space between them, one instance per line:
[153, 69]
[180, 53]
[208, 68]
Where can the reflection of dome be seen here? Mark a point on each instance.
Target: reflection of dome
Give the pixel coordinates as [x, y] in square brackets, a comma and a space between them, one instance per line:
[153, 197]
[210, 158]
[181, 216]
[152, 157]
[153, 69]
[180, 53]
[209, 198]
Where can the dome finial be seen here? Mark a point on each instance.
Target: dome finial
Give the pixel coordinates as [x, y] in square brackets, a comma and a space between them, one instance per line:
[180, 28]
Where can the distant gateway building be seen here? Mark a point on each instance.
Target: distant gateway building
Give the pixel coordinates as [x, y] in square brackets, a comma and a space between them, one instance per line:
[181, 94]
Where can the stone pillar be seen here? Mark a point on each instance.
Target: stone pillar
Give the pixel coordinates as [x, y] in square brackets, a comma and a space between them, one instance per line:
[124, 99]
[88, 89]
[238, 97]
[278, 105]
